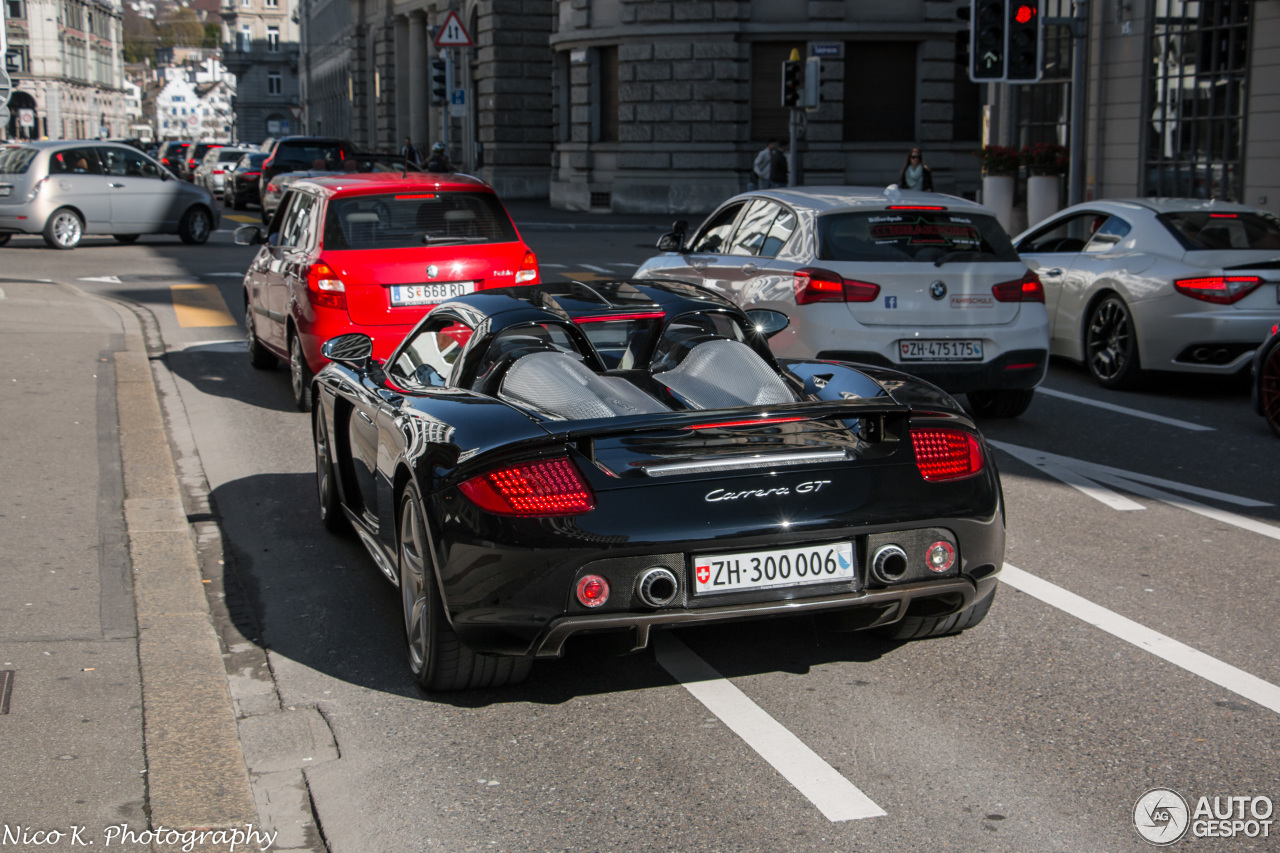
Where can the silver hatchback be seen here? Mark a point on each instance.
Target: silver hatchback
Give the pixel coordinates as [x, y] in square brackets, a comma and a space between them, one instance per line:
[70, 188]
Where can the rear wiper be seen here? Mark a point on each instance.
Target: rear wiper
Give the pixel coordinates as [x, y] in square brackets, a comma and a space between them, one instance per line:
[451, 241]
[951, 256]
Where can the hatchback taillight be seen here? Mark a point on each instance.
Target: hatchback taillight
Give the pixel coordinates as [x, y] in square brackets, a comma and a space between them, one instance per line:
[528, 272]
[946, 454]
[1219, 289]
[1025, 289]
[324, 288]
[817, 285]
[532, 489]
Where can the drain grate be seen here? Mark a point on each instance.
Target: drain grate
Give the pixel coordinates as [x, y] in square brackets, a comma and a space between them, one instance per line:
[6, 685]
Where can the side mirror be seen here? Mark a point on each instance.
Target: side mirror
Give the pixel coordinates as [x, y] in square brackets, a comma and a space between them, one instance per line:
[249, 235]
[353, 350]
[768, 322]
[673, 240]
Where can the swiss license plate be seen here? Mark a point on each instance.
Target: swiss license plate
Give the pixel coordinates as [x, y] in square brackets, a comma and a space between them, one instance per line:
[5, 190]
[784, 567]
[429, 294]
[953, 350]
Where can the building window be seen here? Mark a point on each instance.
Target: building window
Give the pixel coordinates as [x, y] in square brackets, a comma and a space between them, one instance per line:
[273, 4]
[769, 119]
[15, 60]
[607, 58]
[273, 39]
[1196, 86]
[14, 9]
[875, 113]
[246, 38]
[273, 83]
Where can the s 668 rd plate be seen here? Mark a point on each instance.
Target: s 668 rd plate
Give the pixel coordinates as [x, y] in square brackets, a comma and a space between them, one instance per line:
[785, 567]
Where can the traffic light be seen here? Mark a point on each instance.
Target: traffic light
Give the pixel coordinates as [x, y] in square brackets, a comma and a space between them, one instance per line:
[791, 88]
[812, 83]
[1022, 57]
[986, 42]
[439, 76]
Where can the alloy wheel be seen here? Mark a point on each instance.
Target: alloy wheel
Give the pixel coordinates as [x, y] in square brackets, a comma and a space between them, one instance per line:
[1109, 343]
[1269, 389]
[414, 597]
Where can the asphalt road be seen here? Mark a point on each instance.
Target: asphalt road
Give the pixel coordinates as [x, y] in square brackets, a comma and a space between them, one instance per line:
[1131, 646]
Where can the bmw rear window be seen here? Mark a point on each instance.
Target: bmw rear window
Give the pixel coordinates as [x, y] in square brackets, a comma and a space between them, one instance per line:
[1207, 231]
[14, 159]
[890, 236]
[413, 219]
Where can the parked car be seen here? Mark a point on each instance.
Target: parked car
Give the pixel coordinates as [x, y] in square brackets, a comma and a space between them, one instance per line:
[355, 162]
[211, 173]
[922, 282]
[298, 153]
[371, 253]
[1266, 379]
[173, 154]
[240, 185]
[535, 464]
[1185, 285]
[70, 188]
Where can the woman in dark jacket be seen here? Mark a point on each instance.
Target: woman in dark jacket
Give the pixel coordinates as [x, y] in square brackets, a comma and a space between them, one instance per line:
[915, 174]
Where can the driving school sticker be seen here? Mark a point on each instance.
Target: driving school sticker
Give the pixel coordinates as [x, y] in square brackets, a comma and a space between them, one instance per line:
[973, 302]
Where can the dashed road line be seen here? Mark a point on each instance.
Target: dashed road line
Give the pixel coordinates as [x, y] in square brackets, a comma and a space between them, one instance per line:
[1179, 654]
[834, 795]
[1125, 410]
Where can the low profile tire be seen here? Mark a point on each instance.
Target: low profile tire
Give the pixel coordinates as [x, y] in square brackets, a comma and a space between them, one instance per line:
[4, 239]
[920, 627]
[126, 238]
[259, 356]
[196, 226]
[1269, 388]
[437, 658]
[1000, 404]
[331, 515]
[300, 375]
[1111, 344]
[64, 229]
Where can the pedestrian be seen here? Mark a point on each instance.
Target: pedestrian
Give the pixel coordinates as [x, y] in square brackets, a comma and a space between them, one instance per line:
[439, 160]
[915, 174]
[762, 163]
[778, 168]
[410, 154]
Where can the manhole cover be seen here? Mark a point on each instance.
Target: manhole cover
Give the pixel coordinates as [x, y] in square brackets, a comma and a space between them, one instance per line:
[6, 685]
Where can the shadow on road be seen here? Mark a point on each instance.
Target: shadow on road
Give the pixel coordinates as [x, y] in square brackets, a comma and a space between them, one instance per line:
[222, 370]
[321, 603]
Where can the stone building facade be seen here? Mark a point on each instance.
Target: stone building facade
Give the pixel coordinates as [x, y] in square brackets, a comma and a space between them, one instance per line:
[261, 48]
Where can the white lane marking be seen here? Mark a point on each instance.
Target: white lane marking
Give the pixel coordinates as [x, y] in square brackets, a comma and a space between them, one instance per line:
[1095, 471]
[835, 796]
[553, 266]
[109, 279]
[1179, 654]
[1241, 521]
[1086, 486]
[595, 268]
[1124, 410]
[222, 275]
[623, 264]
[1, 293]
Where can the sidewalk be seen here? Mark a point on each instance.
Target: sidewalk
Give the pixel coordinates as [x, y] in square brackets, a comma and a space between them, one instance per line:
[118, 719]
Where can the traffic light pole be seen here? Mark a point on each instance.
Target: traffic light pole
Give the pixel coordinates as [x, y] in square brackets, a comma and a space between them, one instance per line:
[1079, 27]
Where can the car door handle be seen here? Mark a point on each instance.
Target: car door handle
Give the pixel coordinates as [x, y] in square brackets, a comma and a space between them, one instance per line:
[116, 186]
[364, 417]
[1055, 272]
[749, 267]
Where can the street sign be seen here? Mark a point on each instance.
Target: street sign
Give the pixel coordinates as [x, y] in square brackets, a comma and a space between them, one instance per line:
[452, 33]
[6, 86]
[27, 118]
[458, 103]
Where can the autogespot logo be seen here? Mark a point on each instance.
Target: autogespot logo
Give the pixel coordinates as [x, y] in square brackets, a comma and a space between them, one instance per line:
[1160, 816]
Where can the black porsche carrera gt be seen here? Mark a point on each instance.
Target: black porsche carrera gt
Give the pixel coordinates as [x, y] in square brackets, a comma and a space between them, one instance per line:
[537, 462]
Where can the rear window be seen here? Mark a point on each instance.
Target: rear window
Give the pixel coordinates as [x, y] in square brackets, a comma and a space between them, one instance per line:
[300, 156]
[14, 159]
[413, 219]
[1203, 230]
[912, 235]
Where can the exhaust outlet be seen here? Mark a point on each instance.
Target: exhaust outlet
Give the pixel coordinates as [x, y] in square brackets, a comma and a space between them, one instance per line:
[657, 586]
[889, 564]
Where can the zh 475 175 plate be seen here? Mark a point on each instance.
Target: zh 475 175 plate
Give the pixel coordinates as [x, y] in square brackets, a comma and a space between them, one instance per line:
[784, 567]
[429, 294]
[960, 350]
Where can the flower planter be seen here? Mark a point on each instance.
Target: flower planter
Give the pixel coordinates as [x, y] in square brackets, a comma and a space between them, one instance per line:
[1042, 197]
[997, 194]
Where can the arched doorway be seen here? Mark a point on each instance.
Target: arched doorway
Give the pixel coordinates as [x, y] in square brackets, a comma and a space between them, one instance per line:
[21, 106]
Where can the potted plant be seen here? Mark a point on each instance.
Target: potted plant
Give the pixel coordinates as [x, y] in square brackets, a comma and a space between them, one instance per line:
[999, 169]
[1046, 162]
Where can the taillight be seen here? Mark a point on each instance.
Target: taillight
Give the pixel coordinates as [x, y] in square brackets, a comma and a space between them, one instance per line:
[1026, 289]
[219, 171]
[946, 454]
[592, 591]
[1219, 289]
[272, 188]
[528, 272]
[531, 489]
[817, 285]
[35, 190]
[252, 174]
[324, 287]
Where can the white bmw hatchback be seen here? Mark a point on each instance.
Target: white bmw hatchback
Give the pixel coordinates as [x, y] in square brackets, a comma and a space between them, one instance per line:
[925, 283]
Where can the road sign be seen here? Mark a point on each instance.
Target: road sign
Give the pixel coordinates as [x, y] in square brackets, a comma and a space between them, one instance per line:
[452, 33]
[458, 102]
[6, 86]
[27, 118]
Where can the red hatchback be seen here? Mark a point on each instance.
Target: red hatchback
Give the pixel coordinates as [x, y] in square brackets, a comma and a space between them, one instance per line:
[371, 253]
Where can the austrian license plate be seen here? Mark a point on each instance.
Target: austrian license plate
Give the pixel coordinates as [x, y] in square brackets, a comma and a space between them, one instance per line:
[954, 350]
[429, 294]
[786, 567]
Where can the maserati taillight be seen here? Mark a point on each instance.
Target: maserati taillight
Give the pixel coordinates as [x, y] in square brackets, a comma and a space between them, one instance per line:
[1219, 289]
[1025, 289]
[532, 489]
[528, 272]
[946, 454]
[817, 285]
[324, 288]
